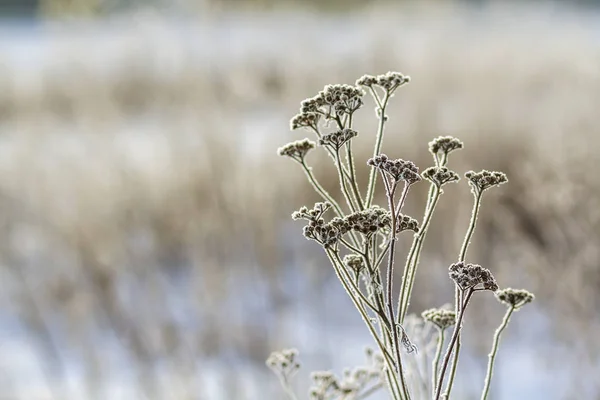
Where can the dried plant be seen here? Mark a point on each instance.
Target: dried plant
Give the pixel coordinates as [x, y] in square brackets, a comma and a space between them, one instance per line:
[360, 243]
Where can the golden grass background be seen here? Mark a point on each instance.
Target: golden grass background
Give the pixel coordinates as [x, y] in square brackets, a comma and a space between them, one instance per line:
[145, 212]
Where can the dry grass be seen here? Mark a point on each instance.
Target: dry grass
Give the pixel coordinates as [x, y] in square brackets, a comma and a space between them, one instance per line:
[140, 197]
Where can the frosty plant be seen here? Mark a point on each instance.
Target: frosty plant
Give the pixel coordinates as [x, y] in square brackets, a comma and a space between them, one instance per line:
[359, 239]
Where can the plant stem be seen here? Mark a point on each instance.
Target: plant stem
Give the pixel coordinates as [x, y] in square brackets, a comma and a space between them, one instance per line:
[476, 205]
[319, 189]
[436, 359]
[286, 387]
[388, 358]
[330, 152]
[351, 205]
[492, 356]
[457, 328]
[377, 149]
[353, 181]
[410, 269]
[352, 168]
[390, 273]
[457, 292]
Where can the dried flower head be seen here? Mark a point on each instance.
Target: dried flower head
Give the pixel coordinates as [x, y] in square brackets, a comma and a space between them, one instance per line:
[515, 298]
[369, 221]
[355, 263]
[314, 214]
[312, 105]
[297, 150]
[284, 362]
[389, 81]
[337, 139]
[440, 317]
[325, 385]
[406, 223]
[366, 80]
[399, 170]
[327, 234]
[483, 180]
[443, 145]
[440, 176]
[305, 120]
[469, 276]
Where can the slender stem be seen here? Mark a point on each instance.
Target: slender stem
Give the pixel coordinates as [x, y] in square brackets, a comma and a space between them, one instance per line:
[492, 356]
[365, 316]
[353, 181]
[351, 205]
[457, 292]
[436, 359]
[330, 151]
[286, 387]
[398, 208]
[319, 189]
[410, 269]
[457, 328]
[471, 229]
[369, 392]
[389, 281]
[378, 141]
[352, 168]
[353, 248]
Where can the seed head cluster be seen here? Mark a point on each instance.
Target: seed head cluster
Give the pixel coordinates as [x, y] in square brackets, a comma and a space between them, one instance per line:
[328, 234]
[389, 81]
[369, 221]
[444, 145]
[515, 298]
[440, 317]
[284, 362]
[406, 223]
[297, 150]
[337, 139]
[353, 383]
[399, 170]
[440, 176]
[306, 120]
[483, 180]
[334, 100]
[469, 276]
[355, 263]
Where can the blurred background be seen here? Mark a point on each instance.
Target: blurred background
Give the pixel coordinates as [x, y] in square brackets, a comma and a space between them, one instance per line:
[146, 245]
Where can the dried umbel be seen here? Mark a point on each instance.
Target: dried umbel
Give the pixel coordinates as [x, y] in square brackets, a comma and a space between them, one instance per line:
[472, 276]
[389, 81]
[337, 139]
[484, 180]
[406, 223]
[398, 170]
[334, 101]
[297, 150]
[314, 214]
[355, 383]
[355, 263]
[440, 176]
[444, 145]
[440, 317]
[515, 298]
[284, 362]
[369, 221]
[306, 120]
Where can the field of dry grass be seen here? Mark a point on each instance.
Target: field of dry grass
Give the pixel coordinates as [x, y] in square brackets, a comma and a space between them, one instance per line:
[145, 215]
